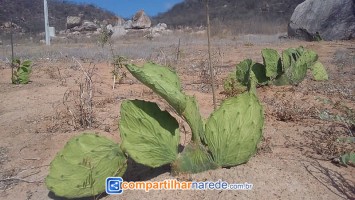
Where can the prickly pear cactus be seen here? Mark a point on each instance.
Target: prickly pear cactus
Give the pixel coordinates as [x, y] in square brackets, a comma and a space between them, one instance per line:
[232, 86]
[243, 71]
[149, 136]
[319, 72]
[281, 80]
[348, 159]
[234, 130]
[229, 142]
[298, 71]
[259, 71]
[194, 119]
[291, 69]
[161, 80]
[309, 57]
[22, 74]
[272, 62]
[295, 64]
[80, 169]
[247, 66]
[289, 57]
[193, 159]
[300, 50]
[166, 83]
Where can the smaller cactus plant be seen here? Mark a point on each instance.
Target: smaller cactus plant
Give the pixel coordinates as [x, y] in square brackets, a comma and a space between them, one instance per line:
[22, 72]
[288, 69]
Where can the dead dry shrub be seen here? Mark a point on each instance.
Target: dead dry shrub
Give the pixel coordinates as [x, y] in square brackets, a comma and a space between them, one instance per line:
[328, 142]
[79, 100]
[290, 111]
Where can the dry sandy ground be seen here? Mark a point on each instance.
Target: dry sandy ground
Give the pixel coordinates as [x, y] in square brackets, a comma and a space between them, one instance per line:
[293, 161]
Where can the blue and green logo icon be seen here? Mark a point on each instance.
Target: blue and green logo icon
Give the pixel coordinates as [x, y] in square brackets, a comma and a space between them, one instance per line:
[113, 185]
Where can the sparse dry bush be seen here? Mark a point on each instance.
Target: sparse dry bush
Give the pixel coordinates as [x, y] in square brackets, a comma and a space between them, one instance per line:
[327, 142]
[289, 111]
[79, 100]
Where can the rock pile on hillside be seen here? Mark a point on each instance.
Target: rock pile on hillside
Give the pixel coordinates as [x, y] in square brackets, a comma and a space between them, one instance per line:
[73, 21]
[6, 26]
[117, 28]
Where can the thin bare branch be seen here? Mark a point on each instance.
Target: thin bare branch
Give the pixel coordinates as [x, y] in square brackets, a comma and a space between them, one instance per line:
[209, 54]
[19, 179]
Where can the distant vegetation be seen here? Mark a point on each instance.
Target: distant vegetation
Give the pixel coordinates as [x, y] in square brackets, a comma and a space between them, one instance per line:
[236, 16]
[28, 14]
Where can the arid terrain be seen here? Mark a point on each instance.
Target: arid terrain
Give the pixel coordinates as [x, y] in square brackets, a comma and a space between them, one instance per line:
[297, 158]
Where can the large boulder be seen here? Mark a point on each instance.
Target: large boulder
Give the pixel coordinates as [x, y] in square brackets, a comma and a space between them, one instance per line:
[327, 19]
[127, 24]
[141, 20]
[118, 31]
[73, 21]
[88, 26]
[119, 21]
[159, 29]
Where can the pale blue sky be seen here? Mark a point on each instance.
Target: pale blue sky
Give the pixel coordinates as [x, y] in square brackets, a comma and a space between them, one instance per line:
[127, 8]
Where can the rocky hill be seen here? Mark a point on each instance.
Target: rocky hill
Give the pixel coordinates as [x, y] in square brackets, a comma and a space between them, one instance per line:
[231, 13]
[28, 14]
[237, 16]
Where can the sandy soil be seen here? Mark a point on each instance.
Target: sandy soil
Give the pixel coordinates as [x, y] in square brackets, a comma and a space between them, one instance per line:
[293, 161]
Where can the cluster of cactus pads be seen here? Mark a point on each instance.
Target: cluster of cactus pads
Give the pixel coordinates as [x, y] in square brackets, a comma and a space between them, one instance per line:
[288, 69]
[22, 71]
[151, 137]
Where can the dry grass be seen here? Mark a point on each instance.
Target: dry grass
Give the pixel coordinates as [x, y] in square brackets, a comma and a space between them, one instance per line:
[163, 47]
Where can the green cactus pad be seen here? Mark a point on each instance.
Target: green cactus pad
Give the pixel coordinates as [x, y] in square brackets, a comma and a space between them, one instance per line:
[231, 85]
[80, 169]
[234, 130]
[348, 159]
[287, 59]
[260, 73]
[22, 74]
[319, 72]
[272, 62]
[166, 83]
[149, 136]
[161, 80]
[281, 80]
[194, 119]
[193, 159]
[298, 71]
[243, 71]
[309, 57]
[300, 50]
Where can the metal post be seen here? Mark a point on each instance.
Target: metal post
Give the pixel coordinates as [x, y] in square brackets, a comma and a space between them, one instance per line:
[46, 24]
